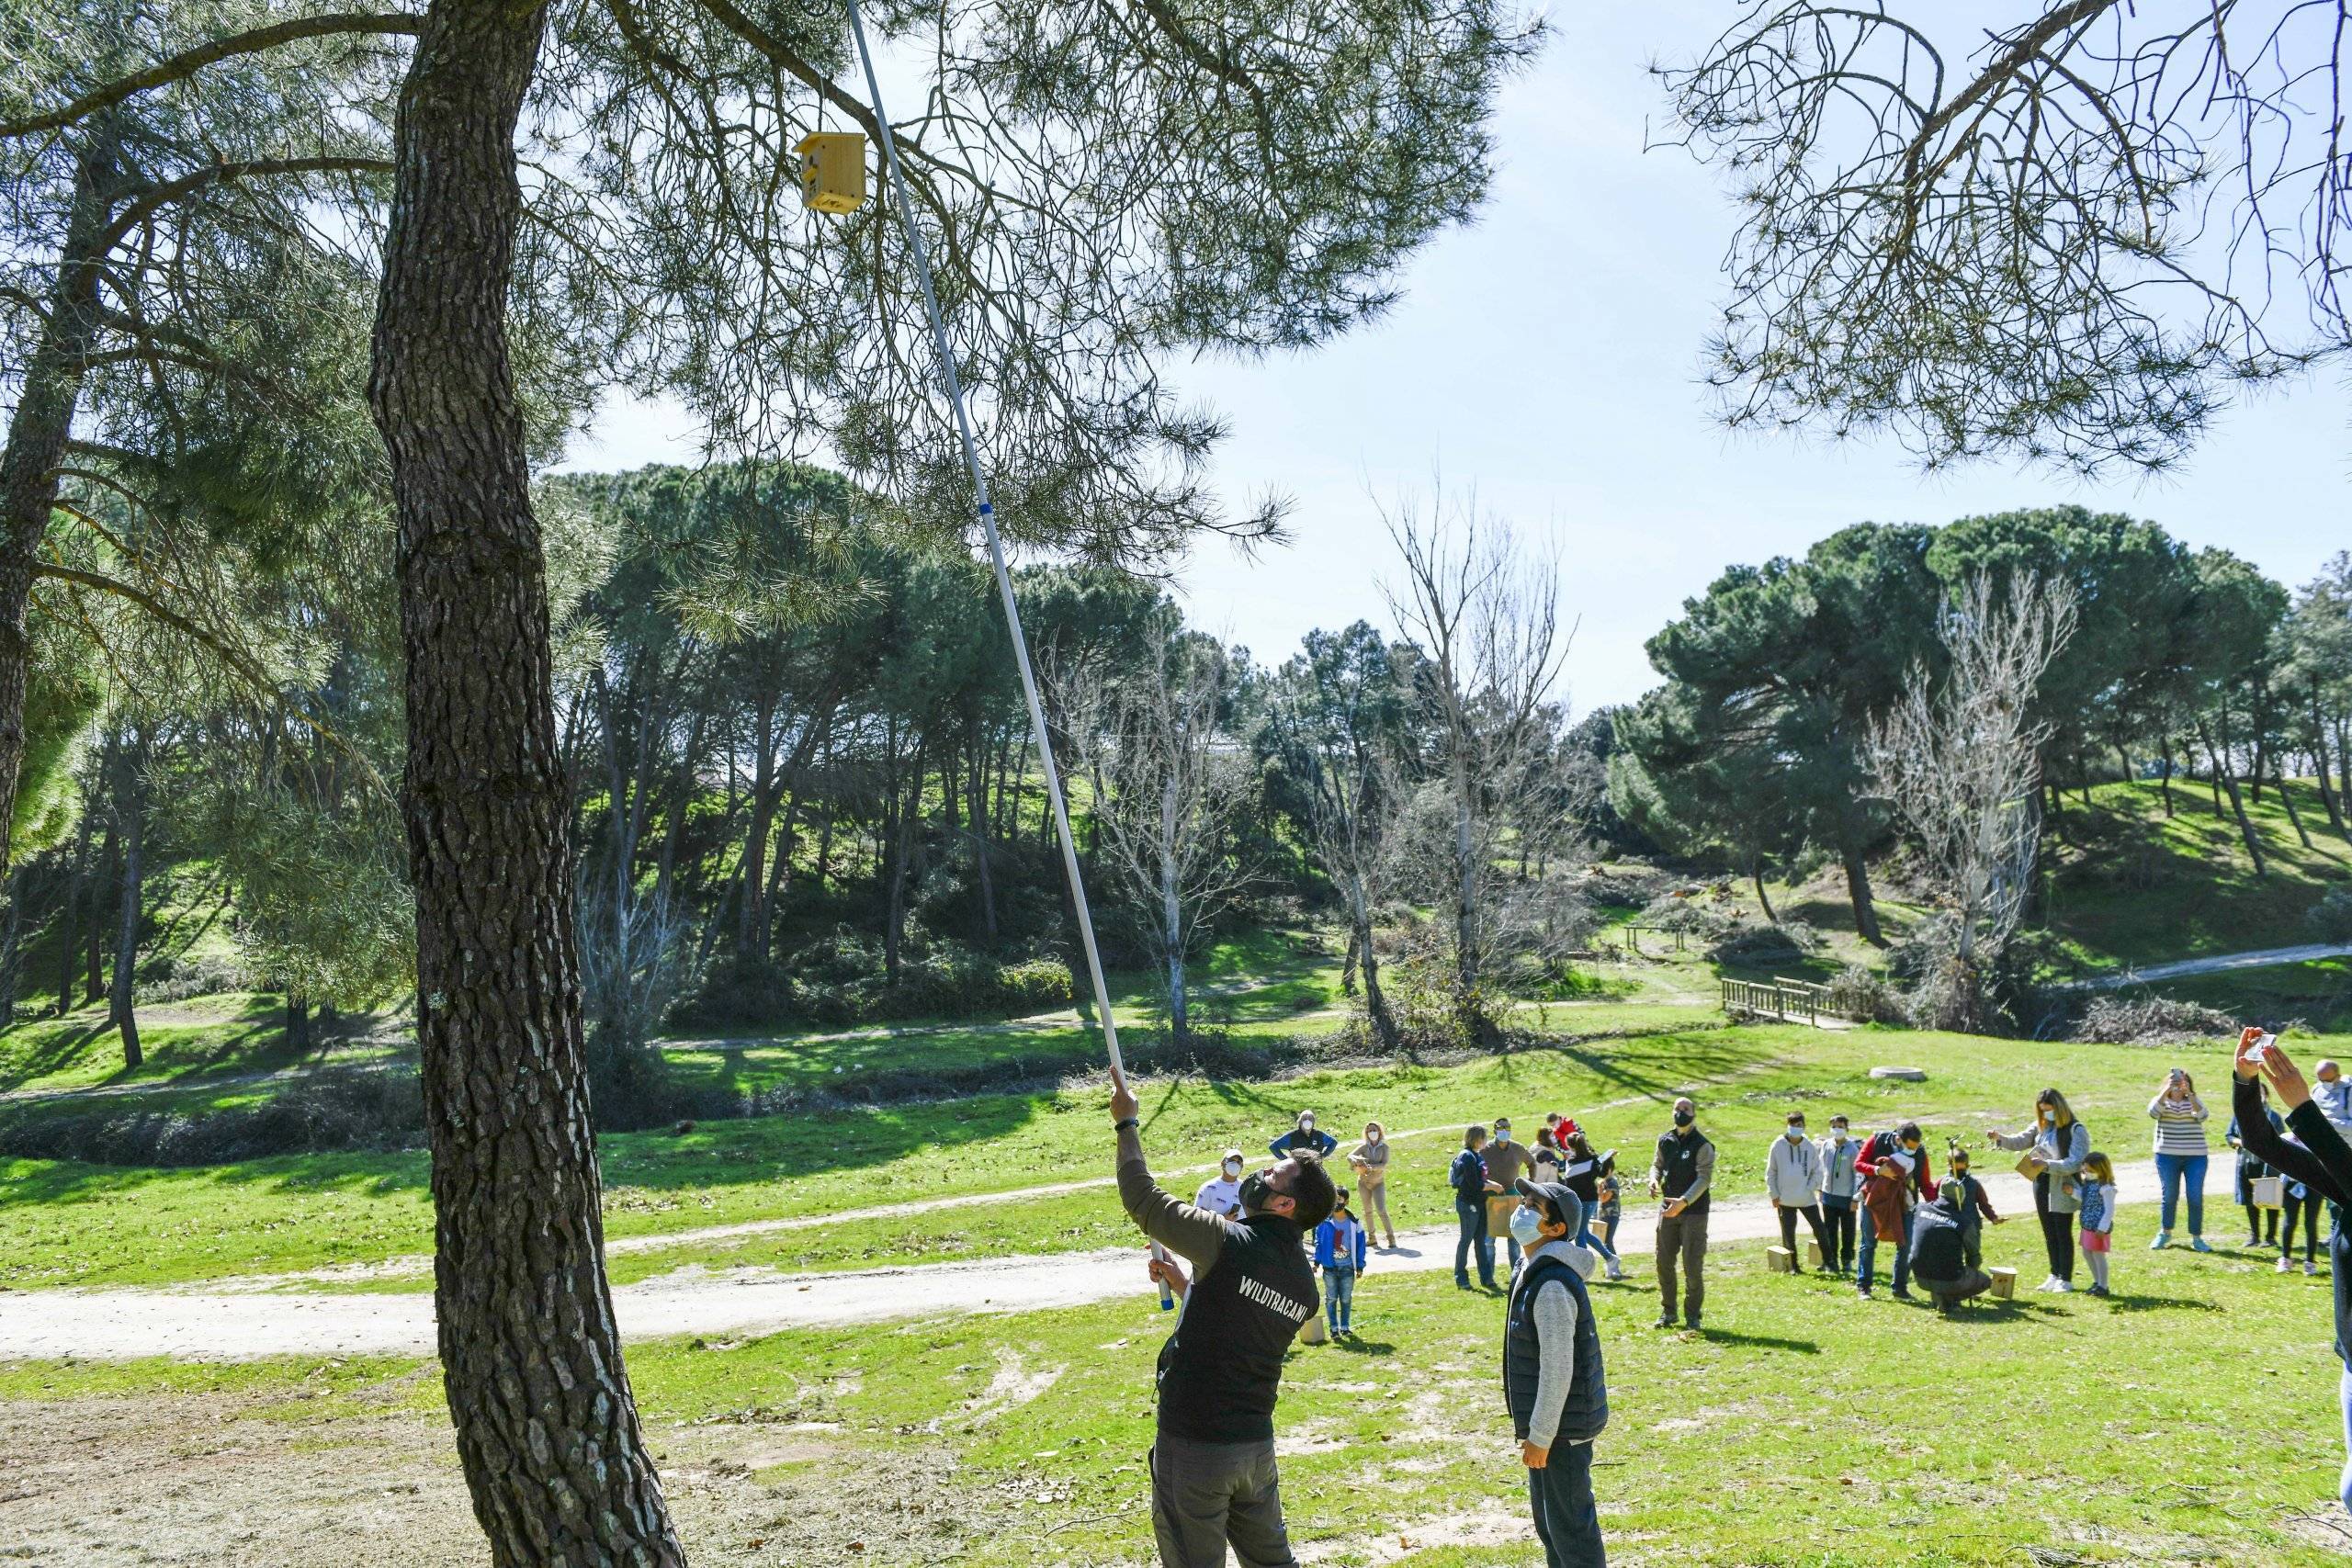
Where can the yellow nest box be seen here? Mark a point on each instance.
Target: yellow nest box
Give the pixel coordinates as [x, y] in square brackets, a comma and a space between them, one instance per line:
[832, 171]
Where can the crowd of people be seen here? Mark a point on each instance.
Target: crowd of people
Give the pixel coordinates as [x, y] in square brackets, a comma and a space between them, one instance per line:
[1267, 1249]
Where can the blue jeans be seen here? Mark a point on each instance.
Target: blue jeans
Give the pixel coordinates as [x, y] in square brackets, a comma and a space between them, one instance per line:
[2343, 1482]
[1339, 1297]
[1567, 1521]
[1473, 1229]
[1869, 1251]
[2173, 1169]
[1591, 1243]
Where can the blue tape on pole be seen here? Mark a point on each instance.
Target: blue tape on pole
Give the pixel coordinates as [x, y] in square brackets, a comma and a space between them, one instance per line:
[988, 509]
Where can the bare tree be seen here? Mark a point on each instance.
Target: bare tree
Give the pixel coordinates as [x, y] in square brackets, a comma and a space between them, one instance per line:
[1486, 619]
[2056, 239]
[1959, 757]
[1172, 778]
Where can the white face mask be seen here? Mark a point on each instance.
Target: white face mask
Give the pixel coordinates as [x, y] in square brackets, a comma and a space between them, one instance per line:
[1795, 1133]
[1232, 1168]
[1838, 1134]
[1526, 1226]
[2049, 1117]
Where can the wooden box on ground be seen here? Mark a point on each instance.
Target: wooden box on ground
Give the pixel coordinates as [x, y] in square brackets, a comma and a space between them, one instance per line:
[1779, 1260]
[2004, 1283]
[1813, 1253]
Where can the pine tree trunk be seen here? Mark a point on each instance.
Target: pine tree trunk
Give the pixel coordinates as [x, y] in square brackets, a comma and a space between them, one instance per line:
[2228, 781]
[546, 1423]
[11, 947]
[978, 815]
[1858, 891]
[94, 976]
[298, 1024]
[2327, 795]
[131, 805]
[2287, 798]
[39, 432]
[1763, 899]
[76, 894]
[1171, 912]
[2167, 776]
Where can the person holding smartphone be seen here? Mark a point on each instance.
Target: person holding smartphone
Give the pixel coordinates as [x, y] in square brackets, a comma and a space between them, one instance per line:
[2182, 1155]
[2316, 1156]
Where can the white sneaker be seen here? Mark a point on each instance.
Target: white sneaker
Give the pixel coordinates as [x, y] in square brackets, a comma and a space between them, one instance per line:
[2311, 1267]
[2286, 1266]
[2049, 1284]
[2064, 1287]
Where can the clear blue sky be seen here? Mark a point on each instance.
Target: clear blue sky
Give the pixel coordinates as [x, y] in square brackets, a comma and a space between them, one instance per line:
[1549, 356]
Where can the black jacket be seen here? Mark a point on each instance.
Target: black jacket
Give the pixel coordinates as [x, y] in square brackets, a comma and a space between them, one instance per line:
[2317, 1157]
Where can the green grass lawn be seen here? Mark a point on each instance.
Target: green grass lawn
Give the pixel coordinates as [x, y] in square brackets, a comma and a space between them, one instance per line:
[2191, 1418]
[2318, 993]
[2135, 887]
[232, 1034]
[62, 1223]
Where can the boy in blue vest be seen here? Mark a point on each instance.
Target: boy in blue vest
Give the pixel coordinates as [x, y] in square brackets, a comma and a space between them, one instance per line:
[1552, 1373]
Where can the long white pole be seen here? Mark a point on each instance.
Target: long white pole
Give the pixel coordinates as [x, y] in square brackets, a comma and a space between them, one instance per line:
[955, 388]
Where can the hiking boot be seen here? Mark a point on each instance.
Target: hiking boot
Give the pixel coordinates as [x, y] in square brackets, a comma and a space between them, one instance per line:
[1691, 1324]
[1664, 1321]
[2164, 1239]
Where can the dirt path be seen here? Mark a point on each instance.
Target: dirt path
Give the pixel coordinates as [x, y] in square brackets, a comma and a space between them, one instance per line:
[2261, 958]
[418, 1265]
[228, 1326]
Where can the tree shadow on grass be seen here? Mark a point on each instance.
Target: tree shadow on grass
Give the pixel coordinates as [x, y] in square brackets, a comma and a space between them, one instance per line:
[1758, 1341]
[2160, 1304]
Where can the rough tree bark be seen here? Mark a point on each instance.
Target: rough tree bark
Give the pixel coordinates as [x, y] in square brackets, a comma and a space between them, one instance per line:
[38, 434]
[1858, 891]
[130, 809]
[2225, 778]
[546, 1423]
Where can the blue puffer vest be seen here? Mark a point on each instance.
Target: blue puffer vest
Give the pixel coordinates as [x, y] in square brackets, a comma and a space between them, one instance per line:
[1587, 1411]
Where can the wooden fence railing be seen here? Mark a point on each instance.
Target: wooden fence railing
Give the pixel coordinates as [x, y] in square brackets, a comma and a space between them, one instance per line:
[1792, 1001]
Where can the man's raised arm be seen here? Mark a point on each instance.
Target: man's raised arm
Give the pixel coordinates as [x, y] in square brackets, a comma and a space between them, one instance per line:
[1194, 1234]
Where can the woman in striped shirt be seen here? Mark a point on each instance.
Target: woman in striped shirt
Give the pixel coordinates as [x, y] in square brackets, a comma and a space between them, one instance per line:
[2181, 1156]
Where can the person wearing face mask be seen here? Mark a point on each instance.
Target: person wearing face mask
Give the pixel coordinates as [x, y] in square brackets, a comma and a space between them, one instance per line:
[1304, 1139]
[1221, 1193]
[1838, 1185]
[1682, 1169]
[1553, 1382]
[1793, 1179]
[1580, 1173]
[2059, 1145]
[2182, 1155]
[1975, 1208]
[2332, 1092]
[1368, 1160]
[1506, 1162]
[1213, 1483]
[1472, 1186]
[1895, 1178]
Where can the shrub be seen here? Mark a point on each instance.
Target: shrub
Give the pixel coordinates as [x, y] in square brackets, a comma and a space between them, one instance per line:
[1859, 993]
[344, 1110]
[1761, 946]
[2151, 1020]
[175, 979]
[2330, 920]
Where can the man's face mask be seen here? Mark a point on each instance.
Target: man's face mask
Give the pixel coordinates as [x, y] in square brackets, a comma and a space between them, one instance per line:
[1526, 1226]
[1502, 1133]
[1796, 1131]
[1232, 1169]
[1838, 1134]
[1256, 1188]
[1684, 1118]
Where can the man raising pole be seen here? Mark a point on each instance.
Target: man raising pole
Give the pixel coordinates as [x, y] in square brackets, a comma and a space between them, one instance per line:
[1212, 1480]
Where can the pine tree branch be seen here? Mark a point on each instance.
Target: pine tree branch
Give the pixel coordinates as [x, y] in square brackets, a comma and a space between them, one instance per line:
[156, 198]
[189, 61]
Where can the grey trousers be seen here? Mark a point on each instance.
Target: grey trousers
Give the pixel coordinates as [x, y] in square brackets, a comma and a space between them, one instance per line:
[1683, 1239]
[1207, 1496]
